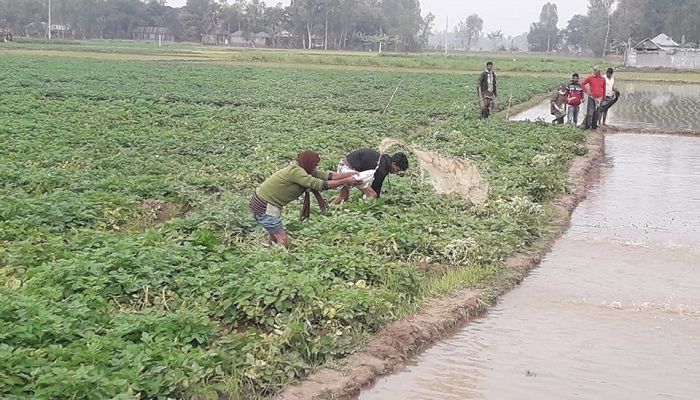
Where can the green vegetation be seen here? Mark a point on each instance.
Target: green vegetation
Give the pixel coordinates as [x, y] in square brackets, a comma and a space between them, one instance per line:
[516, 63]
[130, 265]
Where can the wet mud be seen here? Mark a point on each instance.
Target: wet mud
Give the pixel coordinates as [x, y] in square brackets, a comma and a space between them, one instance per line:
[613, 310]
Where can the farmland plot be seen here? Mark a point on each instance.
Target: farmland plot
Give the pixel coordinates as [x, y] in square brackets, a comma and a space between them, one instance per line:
[129, 263]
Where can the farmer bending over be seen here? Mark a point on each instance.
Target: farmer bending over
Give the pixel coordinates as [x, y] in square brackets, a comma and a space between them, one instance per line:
[373, 168]
[289, 183]
[557, 104]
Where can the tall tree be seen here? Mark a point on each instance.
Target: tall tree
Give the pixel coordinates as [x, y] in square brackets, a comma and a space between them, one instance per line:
[576, 30]
[199, 17]
[599, 17]
[426, 29]
[469, 29]
[544, 34]
[495, 35]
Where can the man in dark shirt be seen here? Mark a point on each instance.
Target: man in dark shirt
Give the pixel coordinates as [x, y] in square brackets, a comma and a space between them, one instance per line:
[373, 168]
[486, 87]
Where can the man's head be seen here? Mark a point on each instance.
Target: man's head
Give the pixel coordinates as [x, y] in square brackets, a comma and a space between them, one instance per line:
[574, 77]
[562, 89]
[609, 72]
[399, 162]
[596, 70]
[489, 65]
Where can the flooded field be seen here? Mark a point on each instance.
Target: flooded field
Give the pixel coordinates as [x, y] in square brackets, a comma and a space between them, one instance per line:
[612, 312]
[657, 105]
[641, 105]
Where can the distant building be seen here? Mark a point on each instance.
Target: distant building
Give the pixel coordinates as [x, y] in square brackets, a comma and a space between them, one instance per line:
[662, 52]
[154, 33]
[217, 37]
[262, 39]
[660, 43]
[237, 38]
[61, 31]
[284, 39]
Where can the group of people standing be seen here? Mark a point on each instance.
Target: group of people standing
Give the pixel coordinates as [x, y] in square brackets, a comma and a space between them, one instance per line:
[566, 101]
[365, 169]
[602, 94]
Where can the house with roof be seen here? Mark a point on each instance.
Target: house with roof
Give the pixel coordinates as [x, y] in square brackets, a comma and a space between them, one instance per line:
[262, 39]
[238, 38]
[217, 37]
[662, 52]
[660, 43]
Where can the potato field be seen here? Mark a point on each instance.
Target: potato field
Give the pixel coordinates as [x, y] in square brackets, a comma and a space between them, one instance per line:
[131, 267]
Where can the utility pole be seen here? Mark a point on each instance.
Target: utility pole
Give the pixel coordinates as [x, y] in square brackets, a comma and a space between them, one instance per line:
[49, 19]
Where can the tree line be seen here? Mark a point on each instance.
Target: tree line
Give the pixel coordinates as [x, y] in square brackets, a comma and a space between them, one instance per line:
[610, 26]
[337, 24]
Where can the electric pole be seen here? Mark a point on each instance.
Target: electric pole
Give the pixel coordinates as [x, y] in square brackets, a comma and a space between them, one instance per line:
[49, 19]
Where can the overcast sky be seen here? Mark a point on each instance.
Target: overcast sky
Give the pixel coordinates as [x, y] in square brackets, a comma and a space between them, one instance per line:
[513, 17]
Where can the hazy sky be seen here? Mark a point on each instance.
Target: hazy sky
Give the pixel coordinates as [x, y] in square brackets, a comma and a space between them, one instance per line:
[513, 17]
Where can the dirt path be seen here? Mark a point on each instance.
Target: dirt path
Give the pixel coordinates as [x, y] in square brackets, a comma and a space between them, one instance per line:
[439, 317]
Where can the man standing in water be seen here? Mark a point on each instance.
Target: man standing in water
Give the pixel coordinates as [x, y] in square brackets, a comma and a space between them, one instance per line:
[486, 87]
[594, 85]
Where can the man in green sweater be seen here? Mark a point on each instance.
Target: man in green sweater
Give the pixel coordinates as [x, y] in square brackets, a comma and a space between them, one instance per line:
[288, 184]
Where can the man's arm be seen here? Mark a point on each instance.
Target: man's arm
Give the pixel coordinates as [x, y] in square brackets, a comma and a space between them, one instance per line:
[378, 182]
[584, 83]
[338, 175]
[300, 177]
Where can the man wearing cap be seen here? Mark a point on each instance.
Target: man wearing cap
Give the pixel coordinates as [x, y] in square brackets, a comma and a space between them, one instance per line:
[594, 85]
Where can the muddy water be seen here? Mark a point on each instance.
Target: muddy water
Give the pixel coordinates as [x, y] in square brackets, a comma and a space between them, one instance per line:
[641, 105]
[644, 104]
[612, 312]
[540, 112]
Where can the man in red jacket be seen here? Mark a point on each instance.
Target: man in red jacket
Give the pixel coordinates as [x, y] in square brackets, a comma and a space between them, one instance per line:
[596, 92]
[574, 98]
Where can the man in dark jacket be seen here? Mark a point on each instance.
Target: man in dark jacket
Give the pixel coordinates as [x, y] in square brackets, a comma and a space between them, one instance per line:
[486, 87]
[372, 168]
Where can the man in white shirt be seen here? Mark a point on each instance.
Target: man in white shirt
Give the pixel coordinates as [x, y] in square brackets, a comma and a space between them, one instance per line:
[611, 96]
